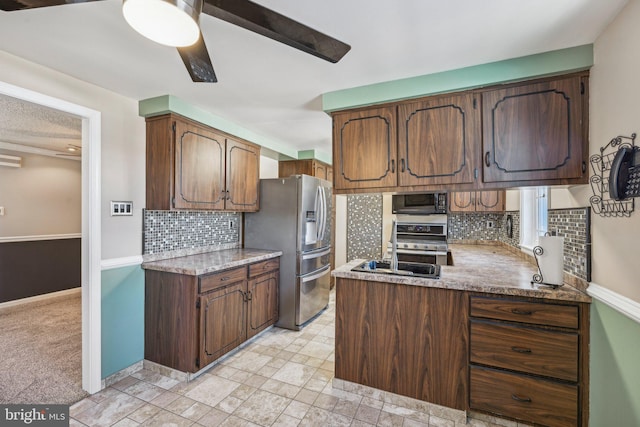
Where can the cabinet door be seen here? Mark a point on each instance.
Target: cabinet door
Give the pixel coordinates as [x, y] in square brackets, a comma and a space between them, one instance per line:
[439, 141]
[319, 170]
[534, 132]
[222, 321]
[199, 168]
[330, 174]
[364, 149]
[462, 201]
[263, 303]
[243, 173]
[490, 201]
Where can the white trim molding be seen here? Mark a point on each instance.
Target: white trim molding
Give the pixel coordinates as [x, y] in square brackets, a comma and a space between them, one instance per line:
[39, 298]
[620, 303]
[111, 263]
[11, 239]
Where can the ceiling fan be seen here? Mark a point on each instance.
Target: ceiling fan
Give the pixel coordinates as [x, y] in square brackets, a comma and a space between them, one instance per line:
[176, 23]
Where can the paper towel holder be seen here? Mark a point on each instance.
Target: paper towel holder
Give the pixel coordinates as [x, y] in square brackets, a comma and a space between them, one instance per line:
[538, 278]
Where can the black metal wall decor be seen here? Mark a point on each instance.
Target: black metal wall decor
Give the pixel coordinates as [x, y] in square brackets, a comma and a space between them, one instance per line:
[602, 202]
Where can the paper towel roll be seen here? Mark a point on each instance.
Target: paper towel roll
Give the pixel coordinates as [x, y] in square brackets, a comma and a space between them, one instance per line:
[551, 261]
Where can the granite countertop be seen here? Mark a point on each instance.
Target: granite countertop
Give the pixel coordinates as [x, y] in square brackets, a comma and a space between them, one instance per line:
[208, 262]
[478, 268]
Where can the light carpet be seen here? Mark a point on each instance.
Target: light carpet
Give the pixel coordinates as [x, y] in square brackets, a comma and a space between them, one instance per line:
[41, 352]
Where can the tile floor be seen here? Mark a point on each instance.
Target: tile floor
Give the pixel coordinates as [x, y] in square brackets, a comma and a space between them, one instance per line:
[282, 378]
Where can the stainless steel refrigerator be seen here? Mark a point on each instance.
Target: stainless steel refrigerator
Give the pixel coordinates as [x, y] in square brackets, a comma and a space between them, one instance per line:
[295, 217]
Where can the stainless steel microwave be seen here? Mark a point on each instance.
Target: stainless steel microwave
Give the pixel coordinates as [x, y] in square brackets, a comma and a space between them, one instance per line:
[419, 204]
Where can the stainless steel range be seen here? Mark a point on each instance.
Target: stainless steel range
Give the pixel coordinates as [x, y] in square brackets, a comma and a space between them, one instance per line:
[424, 243]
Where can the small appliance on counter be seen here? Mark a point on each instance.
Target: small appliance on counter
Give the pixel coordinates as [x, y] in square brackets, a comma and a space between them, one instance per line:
[295, 217]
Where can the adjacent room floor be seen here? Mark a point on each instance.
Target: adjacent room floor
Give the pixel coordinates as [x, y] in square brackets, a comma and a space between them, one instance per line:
[283, 378]
[41, 346]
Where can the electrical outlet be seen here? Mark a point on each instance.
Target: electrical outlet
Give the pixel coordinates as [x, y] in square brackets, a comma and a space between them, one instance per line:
[490, 224]
[232, 223]
[1, 210]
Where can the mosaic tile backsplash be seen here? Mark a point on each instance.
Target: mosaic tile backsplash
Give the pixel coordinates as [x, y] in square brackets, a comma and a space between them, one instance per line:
[172, 230]
[573, 225]
[364, 226]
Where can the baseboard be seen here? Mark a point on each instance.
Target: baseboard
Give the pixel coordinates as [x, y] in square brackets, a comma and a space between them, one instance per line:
[40, 299]
[34, 238]
[114, 378]
[620, 303]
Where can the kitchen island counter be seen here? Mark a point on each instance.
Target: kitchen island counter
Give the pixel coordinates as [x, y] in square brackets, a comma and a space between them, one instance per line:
[209, 262]
[478, 268]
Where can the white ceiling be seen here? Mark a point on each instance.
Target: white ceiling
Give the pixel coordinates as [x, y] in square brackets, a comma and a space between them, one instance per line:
[275, 90]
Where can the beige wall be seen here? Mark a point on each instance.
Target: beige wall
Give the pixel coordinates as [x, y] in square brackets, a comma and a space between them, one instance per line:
[123, 146]
[43, 197]
[268, 168]
[615, 110]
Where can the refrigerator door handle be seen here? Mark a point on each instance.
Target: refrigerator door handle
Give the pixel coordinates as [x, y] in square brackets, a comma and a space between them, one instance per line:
[318, 213]
[325, 214]
[319, 274]
[316, 254]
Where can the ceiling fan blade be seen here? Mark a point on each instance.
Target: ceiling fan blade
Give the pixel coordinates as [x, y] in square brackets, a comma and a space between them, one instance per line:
[196, 59]
[268, 23]
[11, 5]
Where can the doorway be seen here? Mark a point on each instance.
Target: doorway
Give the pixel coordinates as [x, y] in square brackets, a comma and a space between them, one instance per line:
[90, 228]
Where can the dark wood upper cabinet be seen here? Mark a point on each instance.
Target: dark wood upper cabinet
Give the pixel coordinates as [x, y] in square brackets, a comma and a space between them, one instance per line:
[528, 133]
[477, 201]
[535, 131]
[192, 166]
[439, 140]
[311, 167]
[462, 201]
[364, 149]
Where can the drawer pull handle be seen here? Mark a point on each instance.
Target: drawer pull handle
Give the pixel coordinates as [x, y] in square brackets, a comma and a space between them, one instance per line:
[521, 349]
[225, 278]
[521, 399]
[521, 312]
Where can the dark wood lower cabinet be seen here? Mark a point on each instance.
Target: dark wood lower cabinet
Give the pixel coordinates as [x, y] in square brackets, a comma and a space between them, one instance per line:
[537, 400]
[190, 321]
[408, 340]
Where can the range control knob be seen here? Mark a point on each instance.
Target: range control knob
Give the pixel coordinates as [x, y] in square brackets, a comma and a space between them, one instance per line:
[405, 245]
[416, 246]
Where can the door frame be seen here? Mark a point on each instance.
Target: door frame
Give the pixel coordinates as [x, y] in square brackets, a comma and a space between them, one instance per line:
[91, 228]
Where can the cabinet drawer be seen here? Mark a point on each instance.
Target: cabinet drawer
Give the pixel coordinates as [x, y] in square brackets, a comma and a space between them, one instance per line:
[529, 399]
[548, 353]
[264, 267]
[223, 278]
[565, 316]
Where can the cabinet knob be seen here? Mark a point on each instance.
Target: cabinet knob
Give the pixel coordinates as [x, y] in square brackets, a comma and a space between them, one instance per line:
[486, 159]
[393, 165]
[401, 165]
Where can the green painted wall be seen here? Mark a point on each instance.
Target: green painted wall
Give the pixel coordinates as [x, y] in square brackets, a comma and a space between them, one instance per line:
[526, 67]
[614, 368]
[122, 318]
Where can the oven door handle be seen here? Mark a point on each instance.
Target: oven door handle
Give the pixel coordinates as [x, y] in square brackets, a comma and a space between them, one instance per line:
[415, 252]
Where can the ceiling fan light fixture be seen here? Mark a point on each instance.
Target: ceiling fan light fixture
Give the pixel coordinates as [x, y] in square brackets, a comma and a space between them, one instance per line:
[168, 22]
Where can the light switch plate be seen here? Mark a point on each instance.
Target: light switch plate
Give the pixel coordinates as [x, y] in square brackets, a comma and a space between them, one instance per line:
[121, 208]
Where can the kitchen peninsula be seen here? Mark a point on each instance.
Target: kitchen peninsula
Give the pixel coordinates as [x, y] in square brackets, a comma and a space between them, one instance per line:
[481, 337]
